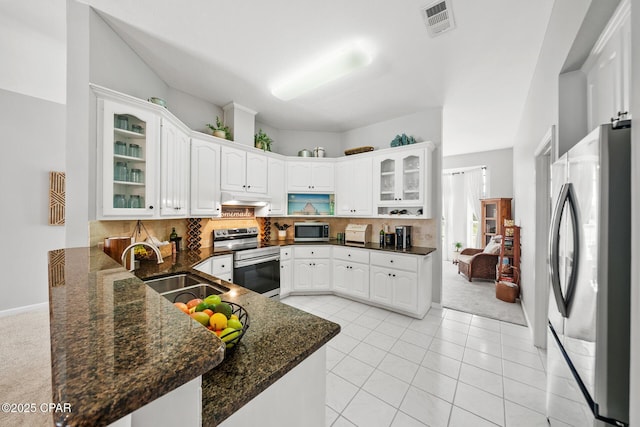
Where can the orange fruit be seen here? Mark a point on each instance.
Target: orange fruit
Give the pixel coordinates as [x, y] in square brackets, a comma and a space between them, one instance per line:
[182, 306]
[209, 312]
[194, 302]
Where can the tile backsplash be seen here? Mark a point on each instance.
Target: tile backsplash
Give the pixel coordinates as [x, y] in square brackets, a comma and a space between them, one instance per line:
[424, 230]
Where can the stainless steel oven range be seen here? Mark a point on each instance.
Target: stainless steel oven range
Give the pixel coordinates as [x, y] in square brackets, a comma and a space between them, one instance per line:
[255, 266]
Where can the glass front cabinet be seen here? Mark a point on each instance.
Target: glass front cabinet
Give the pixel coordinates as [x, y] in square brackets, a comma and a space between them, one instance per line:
[400, 187]
[129, 146]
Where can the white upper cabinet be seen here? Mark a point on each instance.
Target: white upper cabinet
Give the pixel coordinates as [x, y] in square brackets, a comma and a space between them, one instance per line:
[276, 187]
[402, 183]
[205, 179]
[243, 171]
[310, 176]
[608, 71]
[354, 187]
[128, 143]
[174, 170]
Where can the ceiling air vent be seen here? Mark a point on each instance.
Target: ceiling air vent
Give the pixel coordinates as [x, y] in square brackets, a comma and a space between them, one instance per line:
[438, 17]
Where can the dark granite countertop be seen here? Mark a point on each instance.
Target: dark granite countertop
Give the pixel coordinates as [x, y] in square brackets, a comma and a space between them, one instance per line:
[414, 250]
[117, 345]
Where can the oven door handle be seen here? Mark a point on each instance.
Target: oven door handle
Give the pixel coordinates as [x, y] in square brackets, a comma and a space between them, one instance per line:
[254, 261]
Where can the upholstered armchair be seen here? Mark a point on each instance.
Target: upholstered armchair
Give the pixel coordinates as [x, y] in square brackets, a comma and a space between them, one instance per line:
[480, 263]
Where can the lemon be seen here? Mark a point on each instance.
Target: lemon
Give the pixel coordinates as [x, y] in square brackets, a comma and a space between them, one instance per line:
[233, 316]
[218, 321]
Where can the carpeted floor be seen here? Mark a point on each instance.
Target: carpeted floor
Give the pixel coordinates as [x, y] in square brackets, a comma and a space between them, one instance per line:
[476, 297]
[25, 366]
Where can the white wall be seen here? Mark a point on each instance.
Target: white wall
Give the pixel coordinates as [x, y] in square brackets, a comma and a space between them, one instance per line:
[634, 415]
[33, 48]
[289, 142]
[539, 113]
[499, 165]
[32, 125]
[194, 112]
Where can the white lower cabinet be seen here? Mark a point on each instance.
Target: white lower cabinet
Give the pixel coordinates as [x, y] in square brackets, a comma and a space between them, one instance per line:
[311, 268]
[351, 272]
[394, 288]
[399, 282]
[286, 271]
[218, 266]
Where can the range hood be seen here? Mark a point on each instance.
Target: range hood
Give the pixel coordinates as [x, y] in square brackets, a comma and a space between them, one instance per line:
[244, 199]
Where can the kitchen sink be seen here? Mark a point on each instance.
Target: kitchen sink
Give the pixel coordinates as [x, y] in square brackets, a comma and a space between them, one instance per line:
[184, 287]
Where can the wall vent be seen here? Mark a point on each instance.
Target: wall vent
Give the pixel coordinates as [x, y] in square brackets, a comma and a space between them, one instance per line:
[438, 17]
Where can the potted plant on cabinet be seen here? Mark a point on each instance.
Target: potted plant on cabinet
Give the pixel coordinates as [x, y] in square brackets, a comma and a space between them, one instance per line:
[220, 129]
[262, 140]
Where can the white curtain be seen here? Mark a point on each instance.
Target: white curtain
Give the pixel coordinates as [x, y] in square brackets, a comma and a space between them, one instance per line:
[454, 211]
[473, 192]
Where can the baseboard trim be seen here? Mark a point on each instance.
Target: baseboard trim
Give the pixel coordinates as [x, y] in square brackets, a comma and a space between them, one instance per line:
[23, 309]
[436, 305]
[526, 318]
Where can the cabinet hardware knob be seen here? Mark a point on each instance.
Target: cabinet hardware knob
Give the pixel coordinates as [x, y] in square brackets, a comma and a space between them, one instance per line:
[248, 186]
[389, 274]
[150, 207]
[394, 275]
[311, 252]
[391, 261]
[348, 254]
[282, 266]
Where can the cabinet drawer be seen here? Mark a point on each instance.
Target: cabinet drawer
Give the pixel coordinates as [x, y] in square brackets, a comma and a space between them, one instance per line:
[312, 251]
[351, 254]
[285, 253]
[221, 264]
[403, 262]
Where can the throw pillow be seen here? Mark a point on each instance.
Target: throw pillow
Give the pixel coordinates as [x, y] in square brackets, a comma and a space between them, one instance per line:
[492, 248]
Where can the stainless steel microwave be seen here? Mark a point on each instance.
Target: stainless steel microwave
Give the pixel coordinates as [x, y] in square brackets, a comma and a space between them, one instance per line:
[311, 231]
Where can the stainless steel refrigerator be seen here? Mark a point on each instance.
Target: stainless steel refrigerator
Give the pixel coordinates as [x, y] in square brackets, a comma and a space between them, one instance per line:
[588, 335]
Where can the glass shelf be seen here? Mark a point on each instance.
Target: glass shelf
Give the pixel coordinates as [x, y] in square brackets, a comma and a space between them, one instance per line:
[129, 158]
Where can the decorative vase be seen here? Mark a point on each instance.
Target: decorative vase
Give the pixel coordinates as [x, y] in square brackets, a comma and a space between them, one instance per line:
[282, 234]
[220, 134]
[259, 145]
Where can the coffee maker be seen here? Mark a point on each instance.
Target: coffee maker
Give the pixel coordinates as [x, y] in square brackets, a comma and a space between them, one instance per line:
[403, 236]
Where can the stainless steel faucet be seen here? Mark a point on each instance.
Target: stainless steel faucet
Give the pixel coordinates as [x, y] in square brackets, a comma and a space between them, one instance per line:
[133, 267]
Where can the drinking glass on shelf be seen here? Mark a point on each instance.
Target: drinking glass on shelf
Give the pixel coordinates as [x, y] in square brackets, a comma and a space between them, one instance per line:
[122, 122]
[120, 148]
[135, 175]
[134, 150]
[134, 202]
[120, 171]
[119, 201]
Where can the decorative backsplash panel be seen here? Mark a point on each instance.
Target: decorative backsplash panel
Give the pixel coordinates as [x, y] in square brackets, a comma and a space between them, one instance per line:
[56, 198]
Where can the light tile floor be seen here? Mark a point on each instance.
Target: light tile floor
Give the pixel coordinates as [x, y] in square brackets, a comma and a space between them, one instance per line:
[449, 369]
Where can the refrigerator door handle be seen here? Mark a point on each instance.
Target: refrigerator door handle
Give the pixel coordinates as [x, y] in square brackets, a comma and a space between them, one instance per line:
[567, 196]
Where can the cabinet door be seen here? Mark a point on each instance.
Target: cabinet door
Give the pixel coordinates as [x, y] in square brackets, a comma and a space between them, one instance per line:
[302, 274]
[257, 173]
[411, 180]
[322, 177]
[276, 187]
[233, 169]
[381, 290]
[222, 267]
[345, 204]
[386, 179]
[205, 266]
[362, 187]
[285, 278]
[298, 177]
[118, 194]
[340, 281]
[321, 275]
[205, 179]
[359, 280]
[405, 290]
[174, 171]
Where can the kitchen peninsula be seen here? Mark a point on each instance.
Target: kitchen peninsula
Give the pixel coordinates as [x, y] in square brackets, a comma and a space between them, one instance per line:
[117, 345]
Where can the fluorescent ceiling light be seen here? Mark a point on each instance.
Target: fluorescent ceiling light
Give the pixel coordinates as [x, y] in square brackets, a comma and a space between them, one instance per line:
[324, 70]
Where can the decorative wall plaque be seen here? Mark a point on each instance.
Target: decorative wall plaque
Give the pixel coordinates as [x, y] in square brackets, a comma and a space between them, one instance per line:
[56, 198]
[238, 213]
